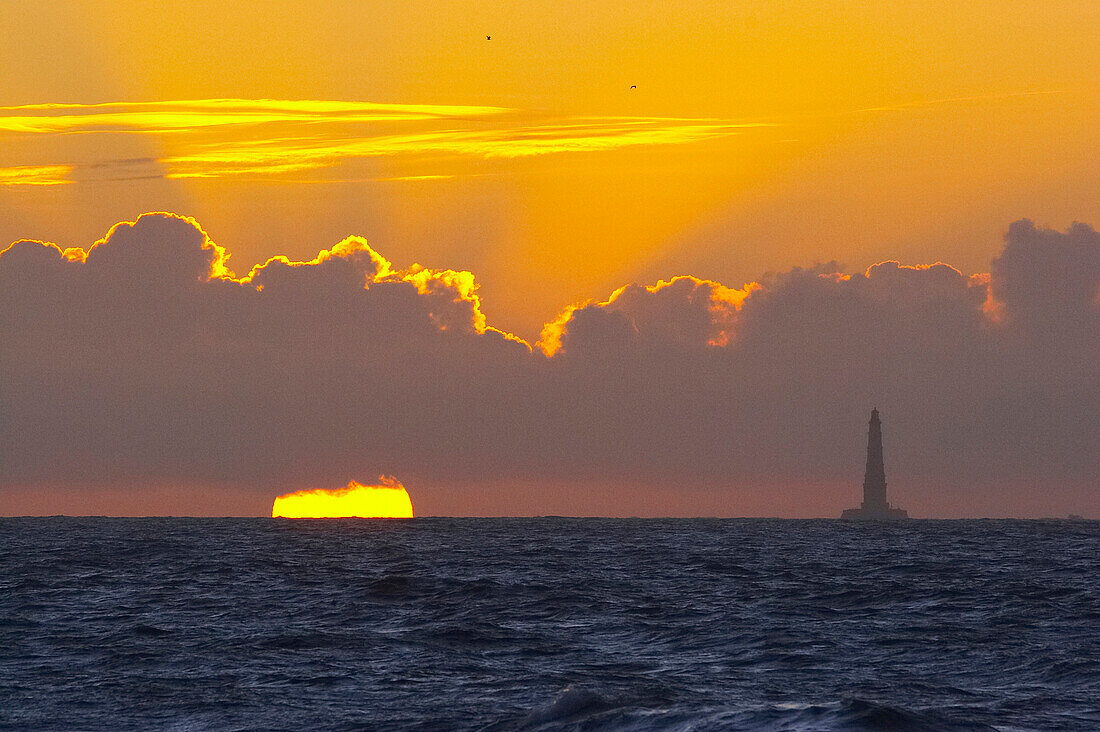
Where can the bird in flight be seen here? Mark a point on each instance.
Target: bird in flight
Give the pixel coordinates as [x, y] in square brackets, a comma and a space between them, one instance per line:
[488, 38]
[633, 86]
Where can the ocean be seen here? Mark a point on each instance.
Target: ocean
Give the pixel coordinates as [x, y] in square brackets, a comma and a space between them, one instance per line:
[549, 624]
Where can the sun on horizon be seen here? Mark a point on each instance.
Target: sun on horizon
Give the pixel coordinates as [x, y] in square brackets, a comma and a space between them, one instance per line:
[388, 499]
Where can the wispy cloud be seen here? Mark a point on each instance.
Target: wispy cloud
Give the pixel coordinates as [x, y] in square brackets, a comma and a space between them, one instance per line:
[284, 155]
[35, 175]
[953, 100]
[214, 138]
[402, 178]
[189, 115]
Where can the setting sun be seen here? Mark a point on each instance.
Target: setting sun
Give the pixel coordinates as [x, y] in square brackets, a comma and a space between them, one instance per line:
[389, 499]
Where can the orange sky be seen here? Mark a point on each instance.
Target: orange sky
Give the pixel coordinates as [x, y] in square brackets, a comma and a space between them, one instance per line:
[586, 146]
[760, 136]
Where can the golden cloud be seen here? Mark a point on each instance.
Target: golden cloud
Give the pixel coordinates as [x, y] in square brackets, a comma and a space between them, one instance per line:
[718, 303]
[35, 175]
[188, 115]
[207, 138]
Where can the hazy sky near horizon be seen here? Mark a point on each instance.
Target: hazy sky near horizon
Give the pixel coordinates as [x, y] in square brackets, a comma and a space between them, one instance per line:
[760, 137]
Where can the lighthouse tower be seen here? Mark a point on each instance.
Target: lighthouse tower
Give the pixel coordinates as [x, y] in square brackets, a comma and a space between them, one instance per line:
[874, 480]
[874, 504]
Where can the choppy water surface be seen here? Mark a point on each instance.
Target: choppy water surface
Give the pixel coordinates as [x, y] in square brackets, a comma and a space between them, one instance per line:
[548, 624]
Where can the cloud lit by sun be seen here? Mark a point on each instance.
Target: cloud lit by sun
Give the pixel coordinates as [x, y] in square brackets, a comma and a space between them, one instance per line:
[214, 138]
[388, 499]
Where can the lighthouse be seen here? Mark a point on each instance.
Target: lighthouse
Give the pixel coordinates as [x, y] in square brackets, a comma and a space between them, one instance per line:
[875, 505]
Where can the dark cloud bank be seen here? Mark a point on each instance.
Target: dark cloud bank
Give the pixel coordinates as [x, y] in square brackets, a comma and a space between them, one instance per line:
[144, 365]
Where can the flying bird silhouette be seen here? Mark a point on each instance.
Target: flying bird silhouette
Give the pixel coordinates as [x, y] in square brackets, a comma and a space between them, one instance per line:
[488, 38]
[633, 86]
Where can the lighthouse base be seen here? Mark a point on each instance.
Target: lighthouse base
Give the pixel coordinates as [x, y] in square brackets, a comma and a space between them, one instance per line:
[875, 514]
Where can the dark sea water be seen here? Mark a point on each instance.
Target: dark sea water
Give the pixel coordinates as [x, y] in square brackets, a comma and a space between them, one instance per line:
[194, 624]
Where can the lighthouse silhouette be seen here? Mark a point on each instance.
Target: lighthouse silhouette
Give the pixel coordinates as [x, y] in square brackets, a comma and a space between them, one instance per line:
[875, 506]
